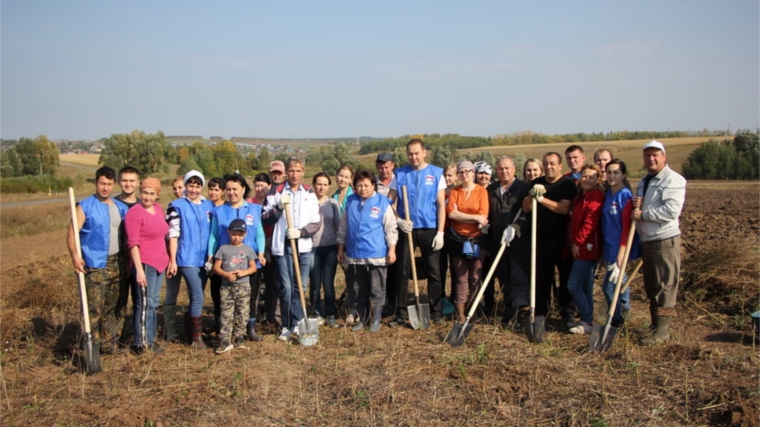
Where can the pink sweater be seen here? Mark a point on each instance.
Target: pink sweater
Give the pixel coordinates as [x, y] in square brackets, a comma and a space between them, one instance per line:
[148, 232]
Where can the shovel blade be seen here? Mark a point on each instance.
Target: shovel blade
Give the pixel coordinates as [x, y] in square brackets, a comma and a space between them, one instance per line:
[308, 332]
[91, 357]
[602, 338]
[458, 333]
[414, 317]
[425, 315]
[534, 330]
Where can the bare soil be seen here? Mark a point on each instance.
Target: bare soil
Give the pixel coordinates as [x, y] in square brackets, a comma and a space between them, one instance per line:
[708, 373]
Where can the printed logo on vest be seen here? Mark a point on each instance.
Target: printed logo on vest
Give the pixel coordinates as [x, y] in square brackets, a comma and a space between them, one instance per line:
[429, 180]
[374, 212]
[614, 208]
[249, 220]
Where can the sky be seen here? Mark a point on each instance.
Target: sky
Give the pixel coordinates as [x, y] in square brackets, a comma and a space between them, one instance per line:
[84, 70]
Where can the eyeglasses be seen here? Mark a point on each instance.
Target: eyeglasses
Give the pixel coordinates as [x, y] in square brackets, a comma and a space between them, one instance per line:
[462, 172]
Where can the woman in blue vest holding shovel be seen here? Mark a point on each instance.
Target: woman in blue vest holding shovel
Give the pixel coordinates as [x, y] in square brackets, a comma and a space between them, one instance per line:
[236, 189]
[189, 225]
[367, 241]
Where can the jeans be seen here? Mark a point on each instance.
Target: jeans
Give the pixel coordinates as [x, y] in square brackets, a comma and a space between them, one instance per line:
[580, 283]
[195, 277]
[324, 262]
[172, 289]
[287, 287]
[608, 289]
[145, 300]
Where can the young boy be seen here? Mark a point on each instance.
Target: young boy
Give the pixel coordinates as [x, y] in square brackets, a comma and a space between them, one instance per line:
[234, 262]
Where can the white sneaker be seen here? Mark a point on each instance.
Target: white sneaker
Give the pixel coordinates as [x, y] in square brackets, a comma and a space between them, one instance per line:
[224, 348]
[573, 324]
[284, 335]
[320, 320]
[350, 320]
[583, 328]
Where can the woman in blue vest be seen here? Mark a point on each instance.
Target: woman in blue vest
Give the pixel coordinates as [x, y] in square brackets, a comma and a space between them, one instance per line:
[236, 189]
[367, 241]
[189, 226]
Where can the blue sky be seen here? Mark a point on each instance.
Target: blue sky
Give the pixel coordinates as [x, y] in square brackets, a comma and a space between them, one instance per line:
[89, 69]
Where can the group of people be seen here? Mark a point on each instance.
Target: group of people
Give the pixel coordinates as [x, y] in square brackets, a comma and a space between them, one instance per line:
[247, 247]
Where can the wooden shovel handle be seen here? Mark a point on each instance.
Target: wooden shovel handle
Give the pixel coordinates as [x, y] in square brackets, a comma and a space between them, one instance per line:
[80, 275]
[294, 249]
[411, 247]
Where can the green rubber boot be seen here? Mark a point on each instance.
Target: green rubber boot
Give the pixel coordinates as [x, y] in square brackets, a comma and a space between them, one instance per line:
[660, 334]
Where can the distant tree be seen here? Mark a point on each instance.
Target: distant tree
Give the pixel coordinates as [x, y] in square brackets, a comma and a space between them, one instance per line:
[227, 158]
[264, 159]
[187, 165]
[731, 159]
[38, 156]
[9, 166]
[399, 156]
[148, 152]
[341, 154]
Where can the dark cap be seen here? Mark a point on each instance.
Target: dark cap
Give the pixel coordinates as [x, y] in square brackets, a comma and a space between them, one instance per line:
[384, 157]
[238, 225]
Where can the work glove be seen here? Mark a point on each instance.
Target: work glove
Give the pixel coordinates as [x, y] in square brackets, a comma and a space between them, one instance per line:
[438, 241]
[613, 267]
[285, 199]
[484, 228]
[404, 225]
[508, 236]
[293, 233]
[538, 192]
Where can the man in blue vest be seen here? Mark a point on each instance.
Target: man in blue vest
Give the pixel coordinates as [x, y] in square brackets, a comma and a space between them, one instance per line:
[427, 212]
[99, 218]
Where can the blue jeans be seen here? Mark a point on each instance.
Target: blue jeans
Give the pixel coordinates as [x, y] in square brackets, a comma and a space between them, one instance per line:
[195, 277]
[172, 289]
[287, 287]
[608, 289]
[145, 300]
[324, 263]
[580, 283]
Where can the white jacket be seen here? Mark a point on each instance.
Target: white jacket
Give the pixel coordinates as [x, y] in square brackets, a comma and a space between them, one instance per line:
[661, 206]
[304, 210]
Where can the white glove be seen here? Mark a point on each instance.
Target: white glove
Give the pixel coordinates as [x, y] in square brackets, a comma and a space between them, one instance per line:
[438, 241]
[508, 236]
[293, 233]
[538, 192]
[615, 272]
[404, 225]
[209, 265]
[285, 199]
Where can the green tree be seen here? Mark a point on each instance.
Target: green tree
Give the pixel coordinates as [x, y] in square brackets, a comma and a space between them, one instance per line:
[264, 159]
[341, 154]
[9, 163]
[227, 158]
[38, 156]
[148, 152]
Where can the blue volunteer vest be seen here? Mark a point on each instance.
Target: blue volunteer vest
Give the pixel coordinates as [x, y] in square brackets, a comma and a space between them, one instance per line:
[422, 188]
[195, 225]
[96, 230]
[249, 212]
[366, 237]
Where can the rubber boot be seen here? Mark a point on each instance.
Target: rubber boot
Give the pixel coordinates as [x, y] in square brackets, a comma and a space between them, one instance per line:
[361, 318]
[170, 322]
[377, 316]
[251, 331]
[197, 343]
[188, 328]
[660, 334]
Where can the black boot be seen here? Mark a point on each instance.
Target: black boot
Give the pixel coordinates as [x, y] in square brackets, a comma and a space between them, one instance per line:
[170, 322]
[251, 330]
[377, 316]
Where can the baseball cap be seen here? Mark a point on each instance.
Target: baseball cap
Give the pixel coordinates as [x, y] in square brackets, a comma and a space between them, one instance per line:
[238, 225]
[654, 144]
[483, 167]
[277, 165]
[384, 157]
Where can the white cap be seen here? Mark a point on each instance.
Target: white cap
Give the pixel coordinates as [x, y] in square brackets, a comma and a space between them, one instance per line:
[193, 173]
[654, 144]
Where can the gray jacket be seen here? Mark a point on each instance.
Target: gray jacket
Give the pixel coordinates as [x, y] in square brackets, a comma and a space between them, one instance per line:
[661, 206]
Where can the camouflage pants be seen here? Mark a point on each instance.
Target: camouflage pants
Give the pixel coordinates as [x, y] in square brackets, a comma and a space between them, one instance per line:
[103, 287]
[235, 306]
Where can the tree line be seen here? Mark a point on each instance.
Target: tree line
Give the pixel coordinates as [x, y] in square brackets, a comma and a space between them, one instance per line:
[737, 158]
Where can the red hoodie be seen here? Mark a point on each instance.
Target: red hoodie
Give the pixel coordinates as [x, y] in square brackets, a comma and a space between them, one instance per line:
[586, 224]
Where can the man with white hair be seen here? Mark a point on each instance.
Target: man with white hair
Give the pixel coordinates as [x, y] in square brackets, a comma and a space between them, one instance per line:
[659, 199]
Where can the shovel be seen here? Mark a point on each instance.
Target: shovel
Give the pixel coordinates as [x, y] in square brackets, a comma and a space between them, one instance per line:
[460, 331]
[308, 329]
[419, 314]
[91, 348]
[601, 338]
[530, 327]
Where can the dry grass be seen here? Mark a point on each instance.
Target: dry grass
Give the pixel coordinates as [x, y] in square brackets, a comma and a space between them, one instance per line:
[81, 159]
[31, 220]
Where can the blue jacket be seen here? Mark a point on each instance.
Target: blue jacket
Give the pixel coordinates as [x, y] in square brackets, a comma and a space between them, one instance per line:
[223, 216]
[96, 230]
[422, 189]
[194, 225]
[366, 235]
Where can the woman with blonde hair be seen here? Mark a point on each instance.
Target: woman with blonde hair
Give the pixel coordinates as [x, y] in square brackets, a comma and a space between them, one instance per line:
[532, 169]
